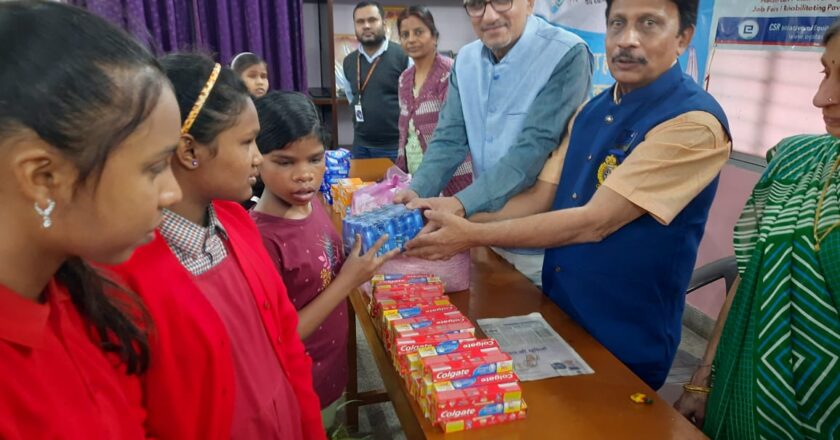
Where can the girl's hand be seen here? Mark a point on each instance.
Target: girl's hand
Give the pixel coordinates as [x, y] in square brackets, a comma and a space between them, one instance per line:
[361, 268]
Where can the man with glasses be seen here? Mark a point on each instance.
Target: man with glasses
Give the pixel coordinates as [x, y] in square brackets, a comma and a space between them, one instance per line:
[510, 97]
[628, 192]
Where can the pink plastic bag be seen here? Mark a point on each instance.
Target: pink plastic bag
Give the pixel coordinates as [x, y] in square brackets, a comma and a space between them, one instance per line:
[382, 193]
[454, 272]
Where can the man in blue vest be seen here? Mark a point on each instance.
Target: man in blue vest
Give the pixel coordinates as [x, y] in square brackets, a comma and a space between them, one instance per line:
[511, 94]
[628, 193]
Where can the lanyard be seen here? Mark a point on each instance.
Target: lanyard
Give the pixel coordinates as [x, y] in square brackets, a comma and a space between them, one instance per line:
[362, 86]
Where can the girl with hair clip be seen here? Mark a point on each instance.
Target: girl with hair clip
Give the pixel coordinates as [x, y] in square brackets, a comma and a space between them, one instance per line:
[253, 71]
[84, 175]
[208, 259]
[302, 241]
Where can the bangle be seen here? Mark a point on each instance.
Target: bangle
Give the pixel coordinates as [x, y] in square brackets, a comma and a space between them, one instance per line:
[696, 389]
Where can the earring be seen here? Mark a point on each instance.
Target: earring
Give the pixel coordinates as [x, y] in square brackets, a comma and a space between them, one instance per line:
[45, 213]
[194, 163]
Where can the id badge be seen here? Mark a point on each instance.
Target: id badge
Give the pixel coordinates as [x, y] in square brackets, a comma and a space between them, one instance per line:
[360, 116]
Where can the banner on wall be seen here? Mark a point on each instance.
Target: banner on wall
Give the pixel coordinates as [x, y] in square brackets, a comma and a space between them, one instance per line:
[587, 19]
[773, 24]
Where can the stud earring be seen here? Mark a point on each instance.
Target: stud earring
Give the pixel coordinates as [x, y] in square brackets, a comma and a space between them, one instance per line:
[194, 163]
[45, 213]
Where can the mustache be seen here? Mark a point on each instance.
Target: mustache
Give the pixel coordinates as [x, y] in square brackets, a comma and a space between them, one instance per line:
[627, 57]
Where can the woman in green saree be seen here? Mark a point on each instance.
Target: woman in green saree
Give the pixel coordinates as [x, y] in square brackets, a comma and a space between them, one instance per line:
[772, 368]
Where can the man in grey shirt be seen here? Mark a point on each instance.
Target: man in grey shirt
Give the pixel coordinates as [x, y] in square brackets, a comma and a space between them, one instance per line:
[511, 95]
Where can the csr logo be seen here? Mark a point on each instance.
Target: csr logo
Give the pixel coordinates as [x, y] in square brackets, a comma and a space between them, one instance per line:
[748, 29]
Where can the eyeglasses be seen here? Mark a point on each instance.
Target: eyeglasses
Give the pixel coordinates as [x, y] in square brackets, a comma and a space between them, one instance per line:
[475, 8]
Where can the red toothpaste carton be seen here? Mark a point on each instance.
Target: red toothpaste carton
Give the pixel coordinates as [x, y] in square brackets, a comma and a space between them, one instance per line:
[441, 369]
[477, 381]
[423, 322]
[481, 422]
[403, 347]
[410, 308]
[478, 346]
[498, 390]
[419, 321]
[407, 289]
[390, 296]
[403, 278]
[403, 308]
[460, 326]
[477, 395]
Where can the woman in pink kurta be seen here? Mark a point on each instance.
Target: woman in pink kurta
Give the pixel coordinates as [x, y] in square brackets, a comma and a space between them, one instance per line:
[422, 90]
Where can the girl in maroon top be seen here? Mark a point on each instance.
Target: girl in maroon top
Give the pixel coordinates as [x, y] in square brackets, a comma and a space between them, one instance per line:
[300, 236]
[88, 123]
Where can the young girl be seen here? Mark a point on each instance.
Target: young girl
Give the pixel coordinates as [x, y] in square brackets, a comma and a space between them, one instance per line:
[301, 239]
[253, 71]
[84, 174]
[209, 260]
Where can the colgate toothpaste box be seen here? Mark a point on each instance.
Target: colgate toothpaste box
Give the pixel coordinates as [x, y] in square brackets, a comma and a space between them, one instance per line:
[387, 290]
[414, 360]
[473, 396]
[420, 321]
[459, 326]
[405, 308]
[428, 308]
[383, 279]
[493, 388]
[477, 381]
[384, 300]
[455, 425]
[404, 349]
[442, 369]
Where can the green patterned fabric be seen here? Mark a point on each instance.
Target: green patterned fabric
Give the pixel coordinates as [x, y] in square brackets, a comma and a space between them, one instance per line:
[413, 150]
[777, 368]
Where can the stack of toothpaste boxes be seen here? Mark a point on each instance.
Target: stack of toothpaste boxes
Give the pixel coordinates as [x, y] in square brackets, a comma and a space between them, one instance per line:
[459, 381]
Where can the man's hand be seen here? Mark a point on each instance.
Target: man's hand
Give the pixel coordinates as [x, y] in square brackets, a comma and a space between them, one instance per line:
[449, 205]
[450, 234]
[405, 196]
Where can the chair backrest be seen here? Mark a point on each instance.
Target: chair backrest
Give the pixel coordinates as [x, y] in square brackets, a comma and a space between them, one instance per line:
[726, 268]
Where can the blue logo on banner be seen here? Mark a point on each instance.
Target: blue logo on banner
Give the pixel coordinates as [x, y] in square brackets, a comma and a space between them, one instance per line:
[772, 31]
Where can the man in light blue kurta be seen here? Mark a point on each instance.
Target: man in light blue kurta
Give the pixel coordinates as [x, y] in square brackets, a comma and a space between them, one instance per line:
[511, 94]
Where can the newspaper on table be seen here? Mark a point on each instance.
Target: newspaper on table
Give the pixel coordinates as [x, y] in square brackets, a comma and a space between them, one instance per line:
[538, 352]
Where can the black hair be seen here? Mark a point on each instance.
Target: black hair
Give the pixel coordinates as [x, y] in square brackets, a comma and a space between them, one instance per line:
[364, 4]
[423, 14]
[686, 8]
[831, 32]
[286, 117]
[92, 85]
[244, 61]
[189, 73]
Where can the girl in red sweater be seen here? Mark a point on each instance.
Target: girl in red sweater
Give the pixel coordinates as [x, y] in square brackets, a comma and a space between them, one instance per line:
[235, 361]
[87, 127]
